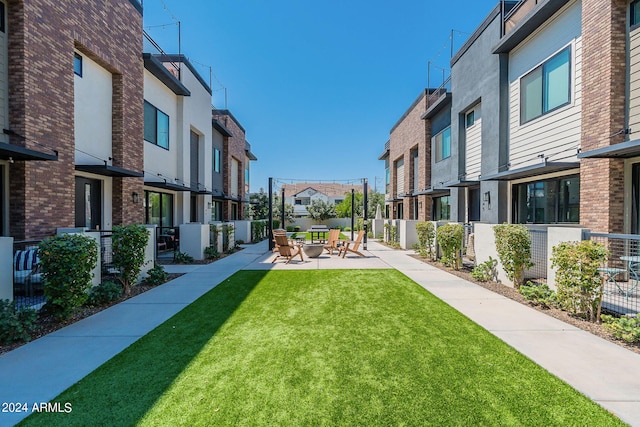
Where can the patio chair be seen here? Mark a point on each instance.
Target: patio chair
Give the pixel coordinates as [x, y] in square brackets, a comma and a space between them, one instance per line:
[333, 241]
[286, 249]
[352, 246]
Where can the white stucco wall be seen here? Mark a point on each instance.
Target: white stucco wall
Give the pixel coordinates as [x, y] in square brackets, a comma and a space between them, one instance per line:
[93, 93]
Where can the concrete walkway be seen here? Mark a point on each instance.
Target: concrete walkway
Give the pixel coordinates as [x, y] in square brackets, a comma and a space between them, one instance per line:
[39, 371]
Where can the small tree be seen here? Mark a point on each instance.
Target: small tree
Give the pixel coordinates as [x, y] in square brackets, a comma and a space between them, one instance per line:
[426, 235]
[259, 204]
[320, 210]
[577, 277]
[514, 250]
[67, 263]
[129, 243]
[449, 237]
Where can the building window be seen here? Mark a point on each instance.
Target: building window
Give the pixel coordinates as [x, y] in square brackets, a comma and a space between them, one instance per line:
[550, 201]
[77, 64]
[546, 87]
[442, 208]
[159, 209]
[634, 17]
[442, 143]
[216, 210]
[156, 126]
[2, 17]
[470, 119]
[216, 160]
[387, 180]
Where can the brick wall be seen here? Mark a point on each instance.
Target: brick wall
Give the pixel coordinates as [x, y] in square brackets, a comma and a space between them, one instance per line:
[234, 147]
[410, 133]
[603, 112]
[42, 36]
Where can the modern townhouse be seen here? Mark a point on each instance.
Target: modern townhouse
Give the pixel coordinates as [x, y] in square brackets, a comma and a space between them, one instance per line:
[232, 157]
[543, 114]
[178, 149]
[71, 112]
[407, 164]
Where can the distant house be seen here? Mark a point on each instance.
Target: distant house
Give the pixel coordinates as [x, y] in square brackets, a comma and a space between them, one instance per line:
[301, 195]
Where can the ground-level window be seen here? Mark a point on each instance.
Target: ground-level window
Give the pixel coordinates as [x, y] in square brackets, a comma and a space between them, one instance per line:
[400, 211]
[216, 210]
[635, 13]
[474, 204]
[550, 201]
[158, 209]
[442, 208]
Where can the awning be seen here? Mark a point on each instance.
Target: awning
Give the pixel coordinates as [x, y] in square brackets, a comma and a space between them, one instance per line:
[221, 128]
[166, 186]
[433, 192]
[16, 152]
[463, 183]
[200, 191]
[157, 68]
[622, 150]
[109, 170]
[530, 171]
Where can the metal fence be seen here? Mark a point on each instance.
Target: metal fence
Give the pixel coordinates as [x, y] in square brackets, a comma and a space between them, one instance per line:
[28, 281]
[621, 272]
[539, 256]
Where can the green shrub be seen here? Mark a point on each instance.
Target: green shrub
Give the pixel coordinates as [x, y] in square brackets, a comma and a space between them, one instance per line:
[227, 237]
[289, 228]
[258, 231]
[391, 234]
[16, 324]
[104, 293]
[539, 294]
[275, 224]
[449, 237]
[129, 244]
[211, 252]
[296, 228]
[67, 263]
[513, 244]
[426, 238]
[156, 276]
[623, 328]
[578, 280]
[183, 258]
[485, 271]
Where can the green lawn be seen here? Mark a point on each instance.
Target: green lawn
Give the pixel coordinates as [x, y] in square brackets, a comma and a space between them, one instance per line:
[332, 347]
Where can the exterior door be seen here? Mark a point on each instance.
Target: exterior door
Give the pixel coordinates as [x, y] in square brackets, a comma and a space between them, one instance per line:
[88, 203]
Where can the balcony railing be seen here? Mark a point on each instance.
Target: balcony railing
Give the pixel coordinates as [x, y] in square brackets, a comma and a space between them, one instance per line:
[438, 93]
[154, 48]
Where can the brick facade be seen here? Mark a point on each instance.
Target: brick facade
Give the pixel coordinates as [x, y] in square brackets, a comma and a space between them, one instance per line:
[234, 147]
[411, 132]
[42, 36]
[603, 112]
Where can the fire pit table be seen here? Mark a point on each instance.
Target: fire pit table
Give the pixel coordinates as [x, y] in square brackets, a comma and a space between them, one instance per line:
[313, 250]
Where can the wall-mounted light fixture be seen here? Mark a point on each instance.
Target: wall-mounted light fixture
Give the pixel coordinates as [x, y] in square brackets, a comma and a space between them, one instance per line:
[135, 197]
[486, 197]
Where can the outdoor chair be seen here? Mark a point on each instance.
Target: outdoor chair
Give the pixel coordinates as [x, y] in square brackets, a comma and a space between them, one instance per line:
[286, 249]
[333, 241]
[352, 245]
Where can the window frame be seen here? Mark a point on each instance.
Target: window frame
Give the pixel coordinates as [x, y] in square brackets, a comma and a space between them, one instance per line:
[155, 129]
[544, 86]
[437, 211]
[438, 140]
[217, 160]
[542, 194]
[78, 64]
[470, 114]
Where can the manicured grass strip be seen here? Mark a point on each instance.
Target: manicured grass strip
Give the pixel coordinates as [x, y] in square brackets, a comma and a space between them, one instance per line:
[322, 347]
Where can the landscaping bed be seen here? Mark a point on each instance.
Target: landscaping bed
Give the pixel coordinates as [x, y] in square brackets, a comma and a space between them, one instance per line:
[511, 293]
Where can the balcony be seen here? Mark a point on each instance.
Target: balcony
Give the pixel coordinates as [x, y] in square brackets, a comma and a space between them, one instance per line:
[517, 13]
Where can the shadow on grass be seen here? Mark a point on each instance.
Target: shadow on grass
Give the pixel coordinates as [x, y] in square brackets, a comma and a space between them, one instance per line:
[125, 388]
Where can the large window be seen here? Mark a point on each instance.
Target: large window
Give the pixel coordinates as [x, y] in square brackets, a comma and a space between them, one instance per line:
[158, 209]
[442, 142]
[442, 208]
[546, 87]
[156, 126]
[550, 201]
[216, 210]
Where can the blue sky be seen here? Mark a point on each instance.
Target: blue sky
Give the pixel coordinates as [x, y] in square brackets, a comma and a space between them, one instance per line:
[316, 85]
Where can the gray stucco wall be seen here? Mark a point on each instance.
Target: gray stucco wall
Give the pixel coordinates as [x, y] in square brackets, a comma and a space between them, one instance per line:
[477, 75]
